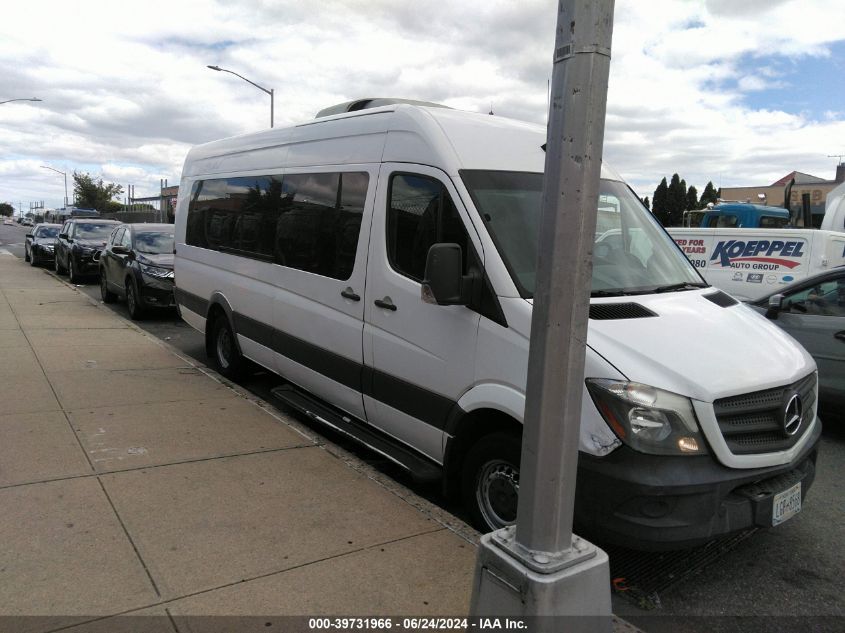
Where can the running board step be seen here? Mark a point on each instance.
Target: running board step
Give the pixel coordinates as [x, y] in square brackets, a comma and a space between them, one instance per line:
[420, 468]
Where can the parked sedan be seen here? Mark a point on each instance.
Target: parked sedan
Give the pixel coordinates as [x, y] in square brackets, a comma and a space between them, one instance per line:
[813, 312]
[40, 244]
[137, 264]
[79, 245]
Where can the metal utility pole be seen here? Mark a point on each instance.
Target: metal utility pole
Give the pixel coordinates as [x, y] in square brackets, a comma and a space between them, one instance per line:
[269, 91]
[538, 567]
[63, 174]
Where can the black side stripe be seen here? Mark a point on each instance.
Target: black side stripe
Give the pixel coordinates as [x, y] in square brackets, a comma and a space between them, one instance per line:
[192, 302]
[413, 400]
[410, 399]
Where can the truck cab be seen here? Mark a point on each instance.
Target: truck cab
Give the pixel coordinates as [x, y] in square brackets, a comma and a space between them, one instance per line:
[743, 215]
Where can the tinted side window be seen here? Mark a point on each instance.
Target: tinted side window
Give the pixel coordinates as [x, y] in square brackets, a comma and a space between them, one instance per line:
[773, 222]
[420, 213]
[117, 235]
[306, 221]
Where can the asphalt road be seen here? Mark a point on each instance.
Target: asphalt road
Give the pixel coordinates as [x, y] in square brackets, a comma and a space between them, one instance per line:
[783, 579]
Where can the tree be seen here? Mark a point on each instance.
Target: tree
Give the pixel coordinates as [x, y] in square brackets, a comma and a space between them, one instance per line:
[692, 198]
[659, 202]
[95, 194]
[646, 203]
[6, 209]
[708, 195]
[676, 200]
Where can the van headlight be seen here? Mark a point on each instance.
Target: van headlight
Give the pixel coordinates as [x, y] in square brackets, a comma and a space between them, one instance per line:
[648, 419]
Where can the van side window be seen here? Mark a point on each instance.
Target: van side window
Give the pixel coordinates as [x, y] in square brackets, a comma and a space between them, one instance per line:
[420, 213]
[310, 222]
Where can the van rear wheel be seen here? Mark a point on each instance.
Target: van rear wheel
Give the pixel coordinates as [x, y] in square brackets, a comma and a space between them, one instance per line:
[490, 481]
[224, 349]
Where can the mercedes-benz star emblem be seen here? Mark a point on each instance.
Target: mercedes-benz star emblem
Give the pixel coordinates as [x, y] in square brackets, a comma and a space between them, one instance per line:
[793, 415]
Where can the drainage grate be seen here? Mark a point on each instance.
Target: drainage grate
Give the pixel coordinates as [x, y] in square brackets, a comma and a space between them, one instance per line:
[640, 577]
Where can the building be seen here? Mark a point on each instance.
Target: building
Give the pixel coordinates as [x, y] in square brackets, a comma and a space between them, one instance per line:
[774, 194]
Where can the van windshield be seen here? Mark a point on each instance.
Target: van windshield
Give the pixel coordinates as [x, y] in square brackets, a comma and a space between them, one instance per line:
[631, 255]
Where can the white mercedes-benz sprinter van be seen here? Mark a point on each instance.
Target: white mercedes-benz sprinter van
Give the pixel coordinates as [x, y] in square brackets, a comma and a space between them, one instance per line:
[382, 261]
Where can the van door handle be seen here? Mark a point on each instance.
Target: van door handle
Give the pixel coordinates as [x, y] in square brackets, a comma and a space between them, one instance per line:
[350, 294]
[840, 335]
[386, 303]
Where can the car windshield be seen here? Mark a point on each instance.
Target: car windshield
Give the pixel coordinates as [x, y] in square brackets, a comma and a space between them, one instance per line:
[92, 231]
[632, 254]
[47, 231]
[154, 242]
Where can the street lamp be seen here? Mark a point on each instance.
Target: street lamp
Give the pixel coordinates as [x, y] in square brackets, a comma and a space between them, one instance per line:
[10, 100]
[269, 92]
[63, 174]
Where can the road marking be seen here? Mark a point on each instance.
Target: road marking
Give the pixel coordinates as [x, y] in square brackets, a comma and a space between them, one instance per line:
[3, 251]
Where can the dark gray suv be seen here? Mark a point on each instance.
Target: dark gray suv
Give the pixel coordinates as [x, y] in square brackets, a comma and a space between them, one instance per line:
[79, 245]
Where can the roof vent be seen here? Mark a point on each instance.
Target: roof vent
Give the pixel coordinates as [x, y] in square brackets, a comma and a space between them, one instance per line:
[611, 311]
[721, 299]
[363, 104]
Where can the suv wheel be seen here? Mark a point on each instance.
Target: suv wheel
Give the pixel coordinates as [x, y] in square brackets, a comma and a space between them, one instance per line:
[60, 270]
[224, 349]
[490, 481]
[107, 295]
[133, 301]
[26, 256]
[71, 272]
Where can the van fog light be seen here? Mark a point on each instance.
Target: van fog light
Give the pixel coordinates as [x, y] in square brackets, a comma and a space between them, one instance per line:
[648, 424]
[688, 445]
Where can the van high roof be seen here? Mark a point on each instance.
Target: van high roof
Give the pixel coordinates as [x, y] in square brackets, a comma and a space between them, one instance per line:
[442, 137]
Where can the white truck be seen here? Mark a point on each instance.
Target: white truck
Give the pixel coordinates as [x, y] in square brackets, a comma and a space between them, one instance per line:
[750, 263]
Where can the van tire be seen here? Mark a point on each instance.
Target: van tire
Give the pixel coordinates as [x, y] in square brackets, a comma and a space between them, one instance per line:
[490, 480]
[227, 358]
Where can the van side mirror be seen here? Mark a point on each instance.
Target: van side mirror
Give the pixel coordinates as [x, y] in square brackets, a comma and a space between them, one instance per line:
[117, 249]
[444, 283]
[775, 306]
[62, 236]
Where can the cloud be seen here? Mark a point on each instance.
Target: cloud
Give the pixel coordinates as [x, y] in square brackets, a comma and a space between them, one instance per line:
[126, 89]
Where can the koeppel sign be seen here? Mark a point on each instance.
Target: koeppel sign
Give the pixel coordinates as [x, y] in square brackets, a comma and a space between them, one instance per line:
[758, 254]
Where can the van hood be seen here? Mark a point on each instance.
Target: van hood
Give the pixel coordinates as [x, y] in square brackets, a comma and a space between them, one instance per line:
[698, 349]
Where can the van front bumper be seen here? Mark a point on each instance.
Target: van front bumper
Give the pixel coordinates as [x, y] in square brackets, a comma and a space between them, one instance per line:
[657, 502]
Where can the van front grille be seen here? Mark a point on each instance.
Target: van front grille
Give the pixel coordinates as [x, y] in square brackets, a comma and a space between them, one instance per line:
[754, 422]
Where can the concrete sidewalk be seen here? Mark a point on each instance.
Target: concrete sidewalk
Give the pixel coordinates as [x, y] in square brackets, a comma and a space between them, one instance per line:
[133, 481]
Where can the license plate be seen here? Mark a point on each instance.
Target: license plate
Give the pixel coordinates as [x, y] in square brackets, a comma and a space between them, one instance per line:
[786, 504]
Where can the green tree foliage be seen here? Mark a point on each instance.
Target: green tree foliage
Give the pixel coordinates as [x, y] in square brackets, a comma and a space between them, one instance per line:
[660, 201]
[708, 195]
[646, 203]
[676, 200]
[95, 194]
[6, 209]
[692, 198]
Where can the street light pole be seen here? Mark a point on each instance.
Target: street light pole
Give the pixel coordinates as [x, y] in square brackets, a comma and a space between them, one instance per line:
[29, 99]
[63, 174]
[269, 91]
[539, 567]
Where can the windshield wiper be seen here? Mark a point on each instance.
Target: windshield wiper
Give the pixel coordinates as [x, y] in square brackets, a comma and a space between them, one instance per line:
[608, 293]
[686, 285]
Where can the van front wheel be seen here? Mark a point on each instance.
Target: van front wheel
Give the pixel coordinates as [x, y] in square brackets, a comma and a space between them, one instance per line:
[490, 481]
[224, 349]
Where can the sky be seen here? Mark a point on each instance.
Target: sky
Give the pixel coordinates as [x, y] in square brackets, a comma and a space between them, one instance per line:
[737, 92]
